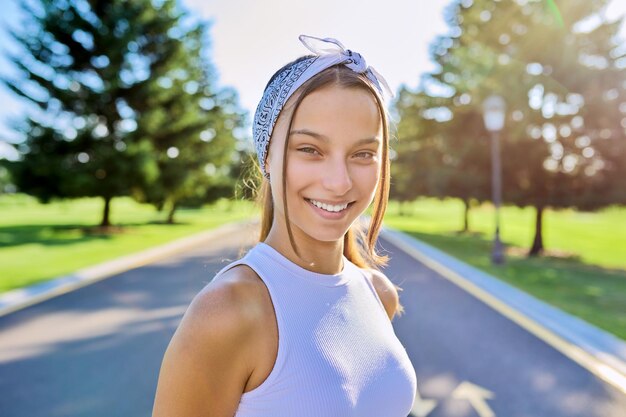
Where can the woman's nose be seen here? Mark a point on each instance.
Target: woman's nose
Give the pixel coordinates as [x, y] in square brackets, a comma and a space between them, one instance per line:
[337, 177]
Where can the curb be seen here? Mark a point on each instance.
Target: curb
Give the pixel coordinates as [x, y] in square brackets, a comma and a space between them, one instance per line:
[599, 351]
[18, 299]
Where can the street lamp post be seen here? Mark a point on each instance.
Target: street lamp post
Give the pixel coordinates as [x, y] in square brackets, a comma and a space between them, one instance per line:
[494, 109]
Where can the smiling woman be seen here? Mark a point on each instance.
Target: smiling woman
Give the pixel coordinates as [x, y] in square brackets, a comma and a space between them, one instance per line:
[301, 325]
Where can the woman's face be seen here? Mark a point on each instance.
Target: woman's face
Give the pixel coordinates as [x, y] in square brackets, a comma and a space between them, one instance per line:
[334, 159]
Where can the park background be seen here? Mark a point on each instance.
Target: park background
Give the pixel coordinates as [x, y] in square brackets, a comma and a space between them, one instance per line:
[102, 154]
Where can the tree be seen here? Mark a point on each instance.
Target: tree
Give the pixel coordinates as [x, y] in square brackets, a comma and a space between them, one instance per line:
[553, 154]
[102, 76]
[414, 169]
[6, 184]
[192, 126]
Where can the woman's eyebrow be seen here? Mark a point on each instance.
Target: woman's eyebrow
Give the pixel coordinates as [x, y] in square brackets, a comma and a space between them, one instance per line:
[325, 138]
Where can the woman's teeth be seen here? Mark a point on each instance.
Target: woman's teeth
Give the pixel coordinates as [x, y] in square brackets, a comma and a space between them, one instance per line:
[329, 207]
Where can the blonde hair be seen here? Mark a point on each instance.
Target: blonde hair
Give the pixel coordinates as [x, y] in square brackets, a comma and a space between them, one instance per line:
[359, 245]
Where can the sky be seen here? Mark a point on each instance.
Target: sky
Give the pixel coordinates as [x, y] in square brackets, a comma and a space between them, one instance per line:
[252, 39]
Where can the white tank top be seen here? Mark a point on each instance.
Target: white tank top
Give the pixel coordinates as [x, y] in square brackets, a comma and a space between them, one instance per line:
[338, 354]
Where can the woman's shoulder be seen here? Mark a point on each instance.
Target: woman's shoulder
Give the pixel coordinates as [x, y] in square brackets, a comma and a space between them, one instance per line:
[233, 296]
[386, 290]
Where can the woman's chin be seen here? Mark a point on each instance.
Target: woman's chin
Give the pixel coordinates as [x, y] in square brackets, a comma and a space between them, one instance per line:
[329, 236]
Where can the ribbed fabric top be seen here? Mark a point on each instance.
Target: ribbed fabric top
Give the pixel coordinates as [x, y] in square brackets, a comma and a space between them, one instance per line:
[338, 354]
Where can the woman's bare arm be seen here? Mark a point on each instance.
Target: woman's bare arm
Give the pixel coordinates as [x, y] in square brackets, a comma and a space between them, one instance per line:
[206, 364]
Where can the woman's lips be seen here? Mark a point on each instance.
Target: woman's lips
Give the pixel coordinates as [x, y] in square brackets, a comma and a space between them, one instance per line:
[330, 215]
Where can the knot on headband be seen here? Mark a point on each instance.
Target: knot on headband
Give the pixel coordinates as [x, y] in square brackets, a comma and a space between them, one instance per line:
[336, 51]
[328, 52]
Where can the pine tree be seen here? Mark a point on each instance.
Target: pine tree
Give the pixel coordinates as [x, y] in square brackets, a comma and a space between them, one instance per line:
[190, 124]
[100, 73]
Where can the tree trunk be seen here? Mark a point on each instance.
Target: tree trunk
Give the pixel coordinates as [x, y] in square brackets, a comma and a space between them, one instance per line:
[170, 215]
[105, 215]
[537, 247]
[466, 216]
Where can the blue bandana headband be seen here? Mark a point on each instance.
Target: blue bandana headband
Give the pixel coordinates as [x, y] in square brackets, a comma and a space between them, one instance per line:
[328, 52]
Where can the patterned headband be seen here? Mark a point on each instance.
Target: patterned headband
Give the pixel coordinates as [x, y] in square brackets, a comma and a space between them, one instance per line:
[328, 52]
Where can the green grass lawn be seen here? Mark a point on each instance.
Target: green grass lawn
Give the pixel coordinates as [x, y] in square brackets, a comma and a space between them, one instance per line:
[39, 242]
[584, 272]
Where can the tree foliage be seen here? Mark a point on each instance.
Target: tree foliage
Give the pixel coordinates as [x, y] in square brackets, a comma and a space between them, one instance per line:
[126, 103]
[562, 77]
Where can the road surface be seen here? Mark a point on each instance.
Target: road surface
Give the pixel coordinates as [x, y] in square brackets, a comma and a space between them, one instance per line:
[96, 352]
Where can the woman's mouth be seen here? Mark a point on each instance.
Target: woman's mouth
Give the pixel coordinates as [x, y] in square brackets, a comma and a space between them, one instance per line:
[327, 211]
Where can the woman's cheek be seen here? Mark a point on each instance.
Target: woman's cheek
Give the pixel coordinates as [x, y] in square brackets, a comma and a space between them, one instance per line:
[368, 178]
[368, 173]
[303, 171]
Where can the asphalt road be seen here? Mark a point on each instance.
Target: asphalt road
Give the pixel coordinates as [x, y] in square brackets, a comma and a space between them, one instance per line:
[97, 351]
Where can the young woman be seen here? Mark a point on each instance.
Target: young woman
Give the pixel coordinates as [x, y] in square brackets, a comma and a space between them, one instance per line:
[301, 325]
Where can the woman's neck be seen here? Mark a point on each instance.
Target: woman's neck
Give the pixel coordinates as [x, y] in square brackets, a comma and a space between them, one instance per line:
[316, 256]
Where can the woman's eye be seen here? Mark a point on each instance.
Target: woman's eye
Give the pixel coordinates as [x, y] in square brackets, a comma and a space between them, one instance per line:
[365, 155]
[307, 150]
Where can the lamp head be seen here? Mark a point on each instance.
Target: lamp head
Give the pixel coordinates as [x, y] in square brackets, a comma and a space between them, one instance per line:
[494, 110]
